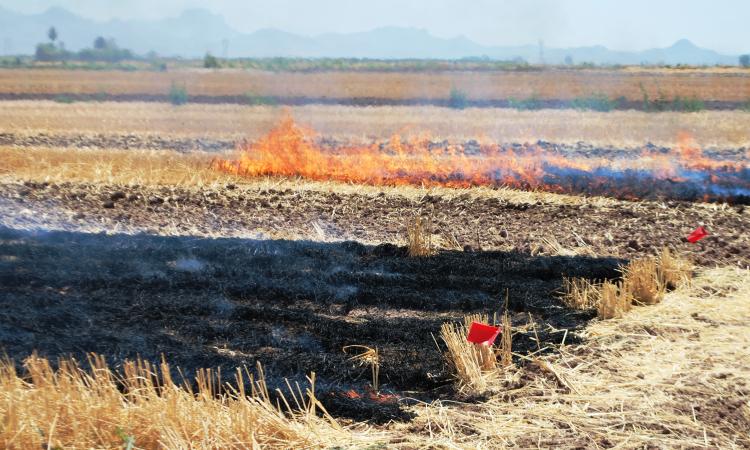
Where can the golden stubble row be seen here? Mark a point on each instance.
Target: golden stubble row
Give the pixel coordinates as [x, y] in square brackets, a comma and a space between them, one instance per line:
[500, 85]
[721, 129]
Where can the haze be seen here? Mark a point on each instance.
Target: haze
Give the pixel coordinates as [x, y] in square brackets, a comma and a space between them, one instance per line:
[634, 25]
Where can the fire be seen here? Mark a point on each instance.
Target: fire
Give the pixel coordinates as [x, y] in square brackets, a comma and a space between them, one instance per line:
[682, 173]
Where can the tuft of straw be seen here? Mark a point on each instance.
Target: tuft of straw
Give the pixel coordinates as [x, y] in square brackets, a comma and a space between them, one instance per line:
[474, 366]
[641, 276]
[419, 238]
[506, 342]
[674, 271]
[615, 300]
[580, 293]
[644, 282]
[368, 356]
[553, 247]
[142, 407]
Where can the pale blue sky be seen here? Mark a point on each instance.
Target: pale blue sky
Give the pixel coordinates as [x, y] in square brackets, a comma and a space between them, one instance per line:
[722, 25]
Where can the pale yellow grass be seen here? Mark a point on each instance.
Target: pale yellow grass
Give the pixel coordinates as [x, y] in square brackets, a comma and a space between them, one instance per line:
[580, 293]
[723, 129]
[553, 83]
[143, 408]
[131, 167]
[644, 282]
[551, 246]
[671, 375]
[614, 301]
[674, 270]
[642, 279]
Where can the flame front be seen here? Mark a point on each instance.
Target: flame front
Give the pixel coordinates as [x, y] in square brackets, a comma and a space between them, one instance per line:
[681, 173]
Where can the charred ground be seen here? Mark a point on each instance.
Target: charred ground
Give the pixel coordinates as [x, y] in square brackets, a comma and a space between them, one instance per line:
[487, 221]
[291, 305]
[111, 281]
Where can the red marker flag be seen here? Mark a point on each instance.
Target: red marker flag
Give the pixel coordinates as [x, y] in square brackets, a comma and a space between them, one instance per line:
[698, 234]
[480, 333]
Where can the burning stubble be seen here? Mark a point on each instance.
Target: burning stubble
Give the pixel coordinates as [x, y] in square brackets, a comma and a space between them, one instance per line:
[683, 172]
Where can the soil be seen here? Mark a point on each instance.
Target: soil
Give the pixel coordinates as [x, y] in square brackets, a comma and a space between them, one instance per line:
[622, 104]
[470, 147]
[115, 141]
[621, 229]
[292, 288]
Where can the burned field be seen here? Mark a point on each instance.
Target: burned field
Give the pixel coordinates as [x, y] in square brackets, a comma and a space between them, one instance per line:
[468, 220]
[230, 275]
[292, 305]
[290, 250]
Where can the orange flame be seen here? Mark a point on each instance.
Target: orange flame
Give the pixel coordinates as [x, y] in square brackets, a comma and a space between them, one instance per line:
[290, 150]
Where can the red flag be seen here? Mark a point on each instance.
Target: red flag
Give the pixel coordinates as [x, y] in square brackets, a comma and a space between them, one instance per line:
[480, 333]
[698, 234]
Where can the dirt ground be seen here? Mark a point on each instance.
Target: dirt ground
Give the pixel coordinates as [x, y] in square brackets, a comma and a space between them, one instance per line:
[131, 141]
[292, 305]
[230, 275]
[278, 209]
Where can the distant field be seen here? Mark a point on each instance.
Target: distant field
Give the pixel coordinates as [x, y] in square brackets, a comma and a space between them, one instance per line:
[722, 129]
[551, 84]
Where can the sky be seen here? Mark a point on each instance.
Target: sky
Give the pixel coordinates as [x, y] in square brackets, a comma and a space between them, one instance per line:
[721, 25]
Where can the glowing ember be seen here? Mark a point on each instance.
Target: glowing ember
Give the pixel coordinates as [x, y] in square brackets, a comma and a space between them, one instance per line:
[682, 173]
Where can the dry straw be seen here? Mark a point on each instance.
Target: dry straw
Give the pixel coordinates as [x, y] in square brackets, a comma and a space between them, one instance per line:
[615, 300]
[419, 237]
[674, 271]
[553, 247]
[476, 366]
[142, 407]
[580, 293]
[648, 380]
[644, 282]
[367, 356]
[506, 341]
[642, 279]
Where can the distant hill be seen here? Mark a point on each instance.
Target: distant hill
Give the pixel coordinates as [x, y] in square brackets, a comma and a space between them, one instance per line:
[197, 31]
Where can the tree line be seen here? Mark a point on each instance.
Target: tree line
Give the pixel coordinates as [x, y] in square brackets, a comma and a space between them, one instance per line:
[102, 50]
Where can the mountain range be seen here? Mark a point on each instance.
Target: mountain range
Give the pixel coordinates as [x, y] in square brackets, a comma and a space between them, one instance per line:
[196, 32]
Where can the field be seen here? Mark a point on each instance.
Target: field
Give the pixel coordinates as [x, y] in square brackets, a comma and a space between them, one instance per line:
[219, 127]
[223, 236]
[725, 89]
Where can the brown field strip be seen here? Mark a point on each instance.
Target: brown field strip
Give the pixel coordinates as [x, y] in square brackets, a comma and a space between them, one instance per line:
[549, 84]
[289, 207]
[720, 129]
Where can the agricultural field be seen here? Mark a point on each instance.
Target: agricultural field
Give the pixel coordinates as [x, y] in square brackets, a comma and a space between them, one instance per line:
[337, 245]
[124, 125]
[528, 90]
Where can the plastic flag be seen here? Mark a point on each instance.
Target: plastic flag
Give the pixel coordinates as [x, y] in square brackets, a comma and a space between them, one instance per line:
[480, 333]
[697, 234]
